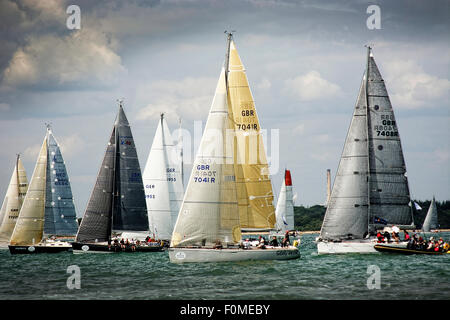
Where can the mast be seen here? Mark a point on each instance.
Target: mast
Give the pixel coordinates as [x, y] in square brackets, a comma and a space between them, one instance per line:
[328, 186]
[366, 92]
[115, 161]
[180, 138]
[227, 55]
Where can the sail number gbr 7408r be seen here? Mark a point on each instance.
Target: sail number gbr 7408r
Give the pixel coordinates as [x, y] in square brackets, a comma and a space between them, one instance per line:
[387, 128]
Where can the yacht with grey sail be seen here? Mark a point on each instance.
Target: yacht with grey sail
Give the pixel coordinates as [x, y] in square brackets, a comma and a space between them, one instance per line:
[117, 202]
[370, 190]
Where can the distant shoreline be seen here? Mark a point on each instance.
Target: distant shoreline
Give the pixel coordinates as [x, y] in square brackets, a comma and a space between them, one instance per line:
[312, 232]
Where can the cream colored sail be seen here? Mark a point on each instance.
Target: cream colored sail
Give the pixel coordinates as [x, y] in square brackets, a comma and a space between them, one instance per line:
[15, 194]
[254, 187]
[209, 211]
[30, 223]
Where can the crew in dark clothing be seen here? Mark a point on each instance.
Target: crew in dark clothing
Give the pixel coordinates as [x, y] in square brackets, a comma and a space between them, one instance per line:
[274, 242]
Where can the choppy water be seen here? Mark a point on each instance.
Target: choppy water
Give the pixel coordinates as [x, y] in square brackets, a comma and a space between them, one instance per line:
[152, 276]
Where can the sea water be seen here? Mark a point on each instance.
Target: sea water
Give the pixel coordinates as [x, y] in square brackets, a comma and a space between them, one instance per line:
[151, 276]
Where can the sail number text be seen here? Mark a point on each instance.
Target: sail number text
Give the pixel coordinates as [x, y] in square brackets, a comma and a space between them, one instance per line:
[204, 174]
[387, 128]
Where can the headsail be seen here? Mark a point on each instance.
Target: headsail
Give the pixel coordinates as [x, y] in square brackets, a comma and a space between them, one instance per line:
[285, 205]
[60, 215]
[431, 220]
[370, 183]
[209, 211]
[12, 203]
[96, 222]
[254, 187]
[30, 223]
[163, 183]
[347, 208]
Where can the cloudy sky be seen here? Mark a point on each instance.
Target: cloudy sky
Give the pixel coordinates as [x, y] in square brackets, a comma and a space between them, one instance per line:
[304, 62]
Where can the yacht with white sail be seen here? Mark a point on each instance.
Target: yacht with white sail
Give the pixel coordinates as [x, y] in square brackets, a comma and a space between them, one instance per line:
[227, 194]
[163, 183]
[12, 203]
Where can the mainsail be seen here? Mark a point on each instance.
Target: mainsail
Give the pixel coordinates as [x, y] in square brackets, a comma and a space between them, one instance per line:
[163, 183]
[254, 187]
[209, 212]
[60, 215]
[431, 220]
[12, 203]
[117, 202]
[371, 183]
[30, 223]
[285, 205]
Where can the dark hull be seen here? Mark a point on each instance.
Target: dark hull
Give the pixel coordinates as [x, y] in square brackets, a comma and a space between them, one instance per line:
[383, 248]
[94, 247]
[37, 249]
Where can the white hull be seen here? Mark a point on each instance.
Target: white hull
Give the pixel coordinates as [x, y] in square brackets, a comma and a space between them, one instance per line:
[182, 255]
[350, 246]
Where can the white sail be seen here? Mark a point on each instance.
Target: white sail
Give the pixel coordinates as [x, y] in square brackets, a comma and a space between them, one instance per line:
[29, 228]
[285, 206]
[431, 220]
[209, 211]
[12, 203]
[163, 183]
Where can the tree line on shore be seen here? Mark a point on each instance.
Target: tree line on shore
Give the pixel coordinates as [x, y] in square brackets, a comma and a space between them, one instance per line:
[310, 218]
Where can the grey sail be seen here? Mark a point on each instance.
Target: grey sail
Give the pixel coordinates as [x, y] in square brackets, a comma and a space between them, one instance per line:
[96, 222]
[371, 183]
[347, 208]
[117, 202]
[388, 183]
[431, 220]
[130, 208]
[60, 215]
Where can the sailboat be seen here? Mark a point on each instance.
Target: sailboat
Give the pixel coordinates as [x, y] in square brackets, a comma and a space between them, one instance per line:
[370, 190]
[285, 205]
[226, 195]
[48, 213]
[117, 202]
[163, 184]
[12, 203]
[431, 220]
